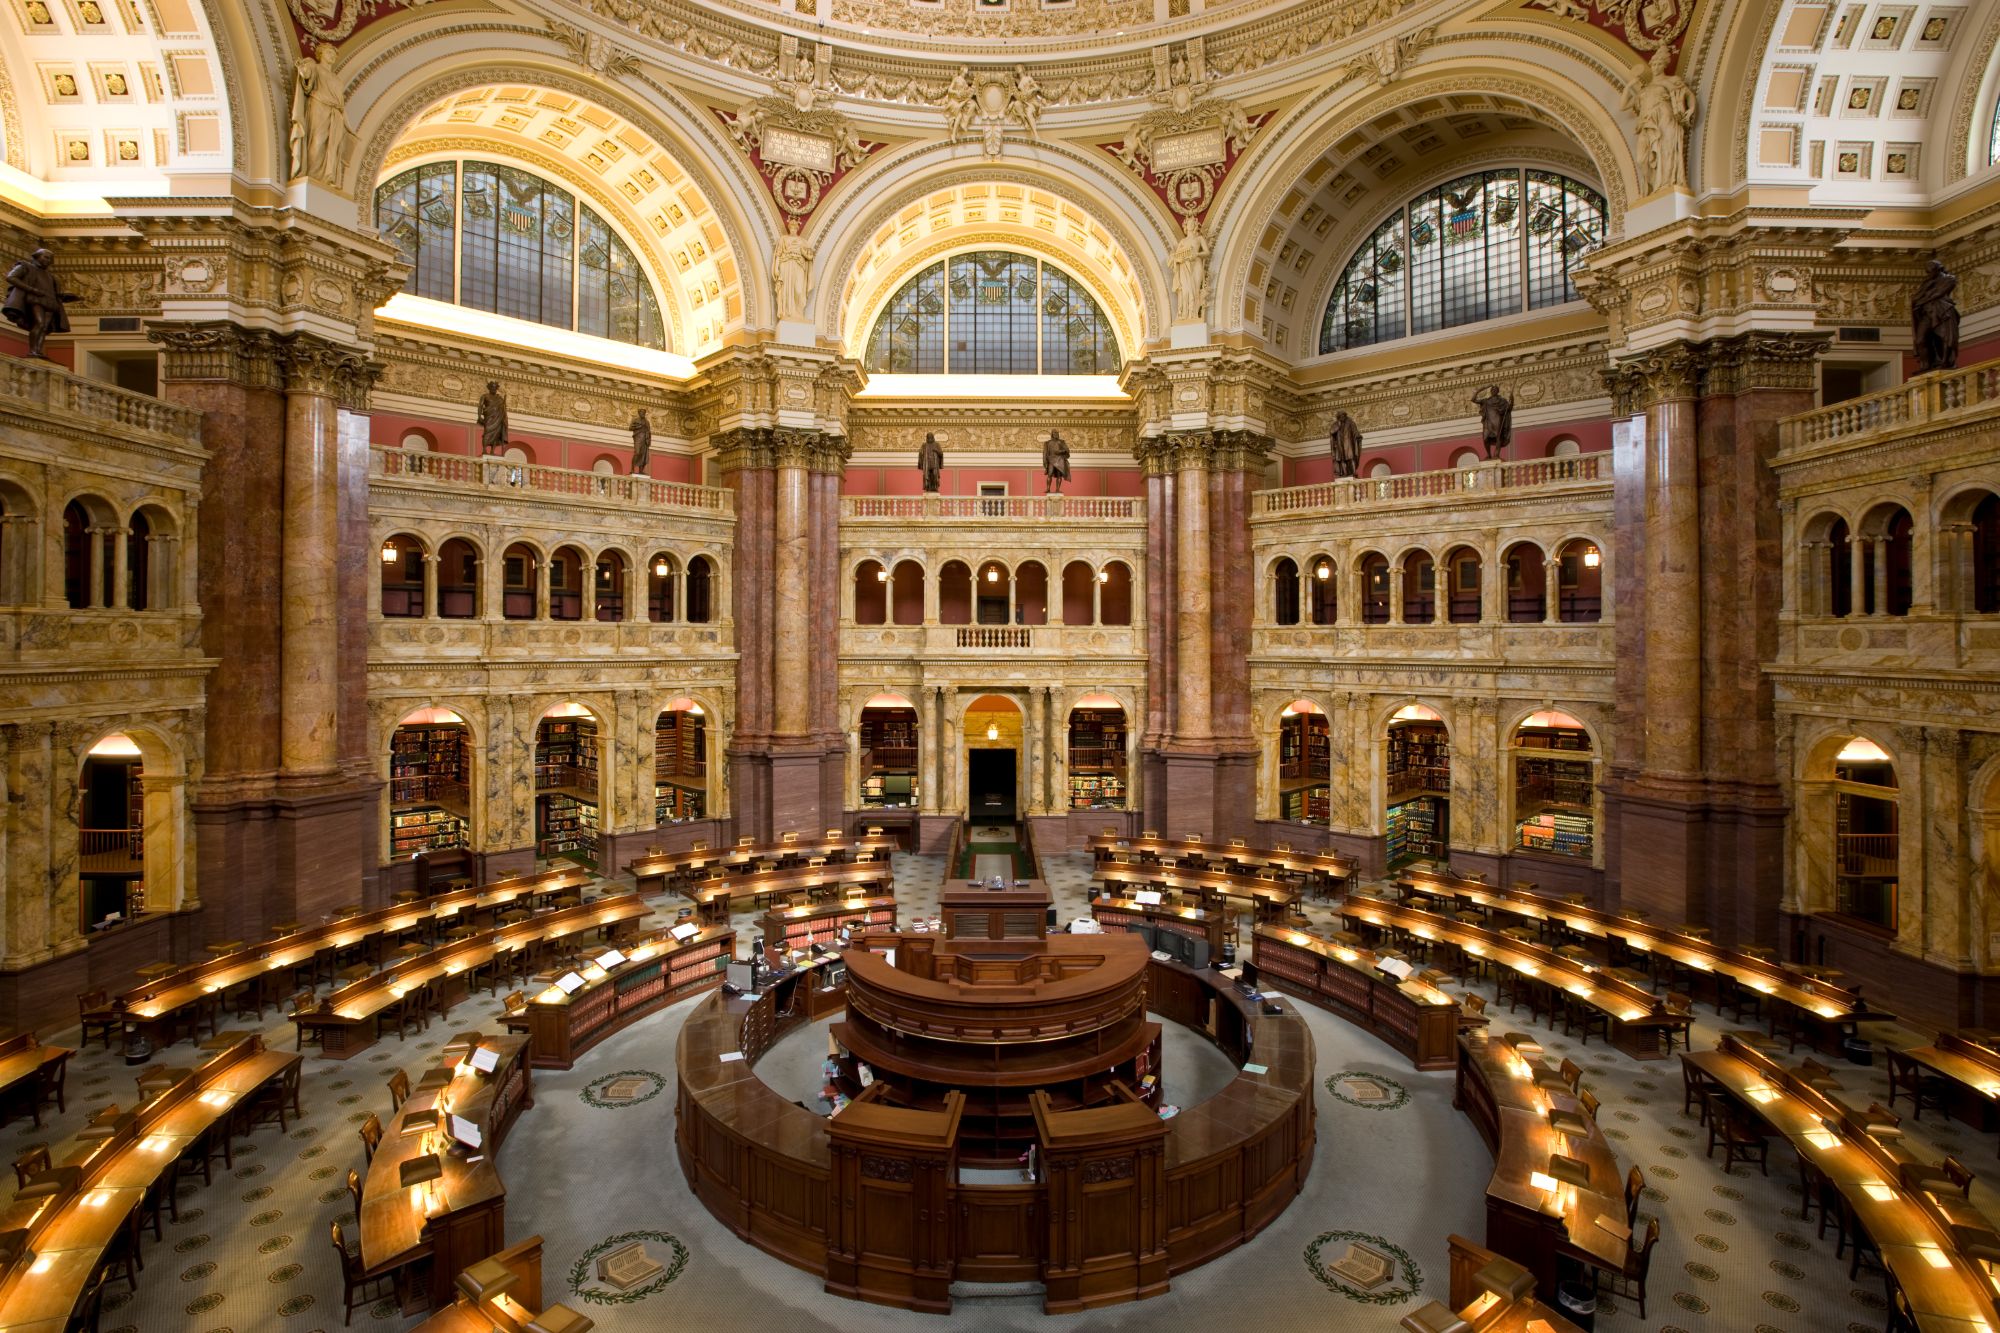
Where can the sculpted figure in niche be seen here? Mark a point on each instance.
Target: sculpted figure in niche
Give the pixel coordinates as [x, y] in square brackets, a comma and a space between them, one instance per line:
[1496, 420]
[1190, 259]
[492, 419]
[1055, 461]
[1664, 107]
[1026, 103]
[35, 300]
[1933, 320]
[320, 136]
[930, 462]
[642, 443]
[1345, 441]
[792, 269]
[959, 105]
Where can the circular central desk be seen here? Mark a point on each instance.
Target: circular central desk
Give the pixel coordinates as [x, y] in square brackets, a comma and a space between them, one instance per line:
[873, 1199]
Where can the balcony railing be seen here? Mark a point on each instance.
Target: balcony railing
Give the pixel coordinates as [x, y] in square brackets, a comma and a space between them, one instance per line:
[71, 396]
[981, 636]
[1485, 480]
[1095, 508]
[1933, 397]
[497, 474]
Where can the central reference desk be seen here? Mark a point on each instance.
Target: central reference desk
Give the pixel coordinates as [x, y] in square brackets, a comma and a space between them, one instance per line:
[1417, 1019]
[655, 973]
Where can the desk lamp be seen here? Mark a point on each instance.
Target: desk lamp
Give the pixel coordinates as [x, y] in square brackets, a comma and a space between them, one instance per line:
[1434, 1317]
[559, 1319]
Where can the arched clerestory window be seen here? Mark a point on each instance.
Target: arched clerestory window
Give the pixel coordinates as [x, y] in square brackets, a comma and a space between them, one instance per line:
[992, 312]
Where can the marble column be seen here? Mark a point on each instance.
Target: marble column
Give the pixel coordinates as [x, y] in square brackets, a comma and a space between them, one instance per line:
[792, 629]
[1672, 587]
[309, 614]
[1395, 594]
[1192, 589]
[431, 585]
[1551, 591]
[30, 768]
[121, 568]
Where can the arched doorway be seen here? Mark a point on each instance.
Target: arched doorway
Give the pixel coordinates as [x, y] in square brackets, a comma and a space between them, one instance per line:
[1417, 810]
[1867, 845]
[1098, 735]
[993, 745]
[131, 823]
[1554, 786]
[430, 778]
[568, 785]
[680, 763]
[888, 753]
[1305, 763]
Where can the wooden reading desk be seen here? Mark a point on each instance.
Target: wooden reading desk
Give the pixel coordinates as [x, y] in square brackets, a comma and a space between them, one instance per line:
[1968, 1059]
[1417, 1019]
[1916, 1222]
[712, 897]
[27, 1066]
[1634, 1014]
[659, 871]
[56, 1240]
[345, 1019]
[1329, 869]
[1194, 922]
[462, 1215]
[1273, 897]
[654, 973]
[787, 929]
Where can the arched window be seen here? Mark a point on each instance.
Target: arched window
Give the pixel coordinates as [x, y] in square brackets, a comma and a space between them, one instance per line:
[1322, 599]
[1419, 588]
[497, 238]
[402, 576]
[700, 583]
[906, 594]
[566, 588]
[662, 572]
[1031, 594]
[608, 587]
[1114, 594]
[1461, 566]
[1285, 592]
[458, 580]
[871, 593]
[1374, 589]
[1466, 251]
[992, 312]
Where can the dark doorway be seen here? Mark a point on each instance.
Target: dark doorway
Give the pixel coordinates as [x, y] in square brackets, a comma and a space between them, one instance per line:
[990, 785]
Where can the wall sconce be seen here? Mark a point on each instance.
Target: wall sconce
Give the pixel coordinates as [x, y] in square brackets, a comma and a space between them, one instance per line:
[390, 555]
[992, 731]
[661, 568]
[1104, 576]
[1322, 571]
[992, 575]
[1591, 557]
[881, 576]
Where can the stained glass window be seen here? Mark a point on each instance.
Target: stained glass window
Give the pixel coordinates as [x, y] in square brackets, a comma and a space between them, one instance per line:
[992, 312]
[1490, 244]
[1993, 141]
[500, 239]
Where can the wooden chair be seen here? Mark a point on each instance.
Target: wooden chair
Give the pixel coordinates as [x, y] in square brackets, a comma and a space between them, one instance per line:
[273, 1100]
[399, 1090]
[371, 1136]
[89, 1310]
[354, 1190]
[1581, 1018]
[516, 1015]
[1959, 1174]
[1588, 1100]
[1630, 1284]
[1680, 1013]
[94, 1011]
[303, 1003]
[358, 1285]
[1739, 1138]
[1572, 1073]
[31, 1164]
[122, 1254]
[1635, 1186]
[1925, 1089]
[49, 1080]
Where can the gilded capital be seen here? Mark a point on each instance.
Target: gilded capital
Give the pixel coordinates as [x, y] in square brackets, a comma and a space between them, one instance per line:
[218, 351]
[745, 449]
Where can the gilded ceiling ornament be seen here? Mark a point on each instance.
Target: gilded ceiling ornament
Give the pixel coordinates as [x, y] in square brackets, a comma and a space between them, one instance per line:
[317, 22]
[1185, 148]
[592, 51]
[799, 143]
[989, 103]
[1385, 62]
[1653, 28]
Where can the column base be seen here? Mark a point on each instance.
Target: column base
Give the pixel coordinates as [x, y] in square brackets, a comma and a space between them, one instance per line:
[782, 786]
[1201, 790]
[283, 856]
[1690, 852]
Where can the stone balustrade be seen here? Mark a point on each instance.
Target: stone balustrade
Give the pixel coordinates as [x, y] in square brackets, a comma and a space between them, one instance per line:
[947, 641]
[72, 398]
[958, 508]
[497, 475]
[1934, 399]
[1483, 481]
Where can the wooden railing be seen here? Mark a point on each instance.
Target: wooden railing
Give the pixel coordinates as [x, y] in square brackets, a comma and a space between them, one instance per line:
[70, 395]
[1940, 395]
[497, 474]
[108, 842]
[1485, 480]
[1096, 508]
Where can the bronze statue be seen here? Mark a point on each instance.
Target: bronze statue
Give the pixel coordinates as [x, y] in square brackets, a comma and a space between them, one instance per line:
[1345, 441]
[1055, 461]
[1496, 420]
[492, 419]
[1933, 320]
[642, 442]
[930, 461]
[35, 300]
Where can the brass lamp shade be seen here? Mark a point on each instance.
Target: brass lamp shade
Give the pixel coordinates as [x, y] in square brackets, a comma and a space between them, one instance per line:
[1506, 1279]
[1568, 1169]
[487, 1279]
[420, 1170]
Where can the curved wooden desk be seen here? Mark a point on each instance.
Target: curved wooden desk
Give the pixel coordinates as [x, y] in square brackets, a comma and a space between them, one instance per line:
[657, 972]
[1323, 867]
[767, 1168]
[1417, 1019]
[669, 869]
[464, 1217]
[712, 897]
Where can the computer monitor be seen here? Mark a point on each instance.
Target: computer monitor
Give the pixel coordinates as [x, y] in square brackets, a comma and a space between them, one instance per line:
[741, 976]
[465, 1131]
[1193, 952]
[1250, 975]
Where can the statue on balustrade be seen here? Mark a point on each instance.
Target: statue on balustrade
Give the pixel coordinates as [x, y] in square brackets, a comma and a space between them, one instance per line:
[492, 419]
[1345, 441]
[642, 443]
[930, 462]
[1496, 420]
[1934, 320]
[1055, 461]
[35, 300]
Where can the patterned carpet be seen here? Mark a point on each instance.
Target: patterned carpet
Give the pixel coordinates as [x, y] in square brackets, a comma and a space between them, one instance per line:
[1396, 1167]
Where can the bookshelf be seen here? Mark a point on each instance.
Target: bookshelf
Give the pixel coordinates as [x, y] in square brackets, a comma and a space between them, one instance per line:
[1415, 830]
[1304, 768]
[1419, 760]
[566, 789]
[680, 766]
[428, 775]
[888, 757]
[1554, 808]
[1097, 739]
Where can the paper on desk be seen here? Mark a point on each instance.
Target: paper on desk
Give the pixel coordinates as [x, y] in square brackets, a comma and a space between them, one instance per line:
[1256, 1069]
[727, 1056]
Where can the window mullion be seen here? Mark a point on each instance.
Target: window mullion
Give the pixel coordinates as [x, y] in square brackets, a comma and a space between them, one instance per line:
[457, 228]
